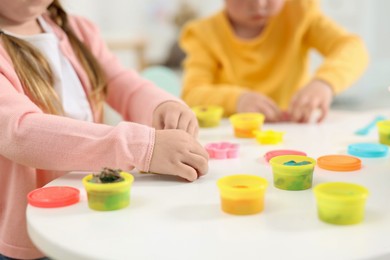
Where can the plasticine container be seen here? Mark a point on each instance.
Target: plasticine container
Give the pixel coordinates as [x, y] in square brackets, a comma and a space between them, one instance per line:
[208, 116]
[108, 196]
[384, 131]
[245, 124]
[340, 203]
[242, 194]
[292, 177]
[268, 137]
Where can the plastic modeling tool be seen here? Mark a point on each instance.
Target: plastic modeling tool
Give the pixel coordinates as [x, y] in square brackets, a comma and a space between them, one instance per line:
[366, 129]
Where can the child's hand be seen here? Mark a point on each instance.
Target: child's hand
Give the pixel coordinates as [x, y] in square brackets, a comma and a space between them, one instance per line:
[255, 102]
[173, 115]
[178, 153]
[316, 95]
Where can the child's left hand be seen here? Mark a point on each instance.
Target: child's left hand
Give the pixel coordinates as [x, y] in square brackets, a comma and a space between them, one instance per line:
[316, 95]
[174, 115]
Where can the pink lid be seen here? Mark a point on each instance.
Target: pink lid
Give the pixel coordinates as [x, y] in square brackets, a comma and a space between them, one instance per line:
[53, 197]
[271, 154]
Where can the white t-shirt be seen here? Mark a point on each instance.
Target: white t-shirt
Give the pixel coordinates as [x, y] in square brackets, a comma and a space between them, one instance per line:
[67, 84]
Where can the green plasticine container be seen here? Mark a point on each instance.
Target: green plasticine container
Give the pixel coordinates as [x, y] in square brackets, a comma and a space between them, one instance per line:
[108, 196]
[384, 131]
[292, 177]
[340, 203]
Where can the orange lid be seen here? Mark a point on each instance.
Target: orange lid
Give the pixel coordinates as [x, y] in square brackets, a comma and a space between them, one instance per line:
[342, 163]
[53, 197]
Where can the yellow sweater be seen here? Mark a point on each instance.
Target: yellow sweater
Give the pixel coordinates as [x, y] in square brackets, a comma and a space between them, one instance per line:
[220, 66]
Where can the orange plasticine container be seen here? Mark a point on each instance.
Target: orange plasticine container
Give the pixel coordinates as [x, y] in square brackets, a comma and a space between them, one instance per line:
[242, 194]
[245, 124]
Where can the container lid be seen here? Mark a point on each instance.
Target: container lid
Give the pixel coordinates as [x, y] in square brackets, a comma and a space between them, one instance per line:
[339, 163]
[53, 197]
[368, 150]
[271, 154]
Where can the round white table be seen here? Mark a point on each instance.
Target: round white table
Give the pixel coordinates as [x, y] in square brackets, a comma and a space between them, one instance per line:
[172, 219]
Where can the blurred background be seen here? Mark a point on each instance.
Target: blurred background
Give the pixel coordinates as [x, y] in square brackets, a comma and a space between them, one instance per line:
[143, 33]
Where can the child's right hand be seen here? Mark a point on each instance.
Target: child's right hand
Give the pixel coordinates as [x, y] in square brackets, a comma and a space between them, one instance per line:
[316, 95]
[178, 153]
[255, 102]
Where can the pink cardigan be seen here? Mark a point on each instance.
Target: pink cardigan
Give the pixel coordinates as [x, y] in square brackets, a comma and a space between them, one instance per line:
[36, 148]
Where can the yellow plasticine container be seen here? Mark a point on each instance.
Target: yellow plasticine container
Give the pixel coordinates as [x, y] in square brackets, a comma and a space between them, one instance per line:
[292, 177]
[242, 194]
[245, 124]
[340, 203]
[384, 131]
[108, 196]
[268, 137]
[208, 116]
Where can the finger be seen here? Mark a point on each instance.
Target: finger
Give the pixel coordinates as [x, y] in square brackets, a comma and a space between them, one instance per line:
[171, 120]
[184, 121]
[324, 112]
[196, 148]
[298, 109]
[272, 111]
[293, 104]
[262, 107]
[199, 163]
[315, 104]
[307, 110]
[187, 172]
[182, 170]
[158, 122]
[249, 109]
[271, 114]
[296, 114]
[306, 114]
[193, 128]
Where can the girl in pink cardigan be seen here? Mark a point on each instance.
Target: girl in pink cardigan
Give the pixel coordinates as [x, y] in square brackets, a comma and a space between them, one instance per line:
[55, 74]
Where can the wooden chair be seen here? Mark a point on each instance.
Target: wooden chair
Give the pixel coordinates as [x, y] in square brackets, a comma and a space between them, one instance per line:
[138, 46]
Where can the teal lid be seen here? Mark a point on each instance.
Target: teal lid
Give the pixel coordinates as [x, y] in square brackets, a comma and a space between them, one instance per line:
[368, 150]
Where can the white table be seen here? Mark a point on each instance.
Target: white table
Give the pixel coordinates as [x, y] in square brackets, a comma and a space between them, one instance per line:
[173, 219]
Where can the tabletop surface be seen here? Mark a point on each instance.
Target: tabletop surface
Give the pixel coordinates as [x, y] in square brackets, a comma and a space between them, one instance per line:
[172, 219]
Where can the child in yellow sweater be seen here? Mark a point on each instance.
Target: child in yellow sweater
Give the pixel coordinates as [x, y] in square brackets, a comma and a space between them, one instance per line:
[253, 57]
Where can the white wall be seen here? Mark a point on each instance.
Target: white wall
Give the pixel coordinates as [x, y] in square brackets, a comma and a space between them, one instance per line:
[369, 19]
[151, 19]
